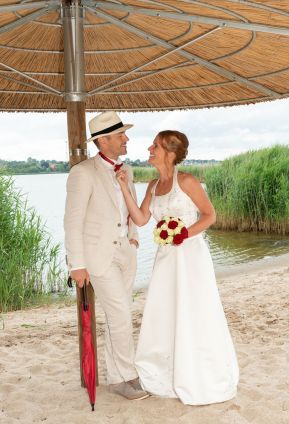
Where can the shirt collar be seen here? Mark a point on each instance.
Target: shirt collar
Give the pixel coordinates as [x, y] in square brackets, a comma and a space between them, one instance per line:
[109, 165]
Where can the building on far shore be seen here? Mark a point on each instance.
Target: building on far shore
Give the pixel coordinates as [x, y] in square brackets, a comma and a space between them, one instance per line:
[186, 162]
[189, 162]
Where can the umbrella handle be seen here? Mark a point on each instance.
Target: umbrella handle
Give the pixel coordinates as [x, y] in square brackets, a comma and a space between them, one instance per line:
[84, 297]
[69, 281]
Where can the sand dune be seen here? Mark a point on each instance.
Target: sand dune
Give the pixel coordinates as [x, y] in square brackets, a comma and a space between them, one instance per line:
[40, 375]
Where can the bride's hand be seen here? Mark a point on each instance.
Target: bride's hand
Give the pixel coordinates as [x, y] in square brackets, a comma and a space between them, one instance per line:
[122, 178]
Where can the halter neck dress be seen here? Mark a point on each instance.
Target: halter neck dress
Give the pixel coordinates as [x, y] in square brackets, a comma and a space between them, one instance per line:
[185, 349]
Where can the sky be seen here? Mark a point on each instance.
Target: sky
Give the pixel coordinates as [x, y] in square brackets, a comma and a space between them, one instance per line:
[216, 133]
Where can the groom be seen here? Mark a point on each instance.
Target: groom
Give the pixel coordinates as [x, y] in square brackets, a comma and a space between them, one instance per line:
[101, 243]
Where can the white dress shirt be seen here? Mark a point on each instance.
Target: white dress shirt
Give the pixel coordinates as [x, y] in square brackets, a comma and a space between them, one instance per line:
[119, 196]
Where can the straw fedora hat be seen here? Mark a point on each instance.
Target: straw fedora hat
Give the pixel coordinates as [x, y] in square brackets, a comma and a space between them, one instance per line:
[106, 123]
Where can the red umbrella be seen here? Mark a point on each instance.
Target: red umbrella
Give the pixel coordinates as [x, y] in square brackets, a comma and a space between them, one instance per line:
[88, 354]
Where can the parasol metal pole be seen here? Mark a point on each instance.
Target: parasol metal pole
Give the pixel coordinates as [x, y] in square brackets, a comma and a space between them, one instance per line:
[72, 15]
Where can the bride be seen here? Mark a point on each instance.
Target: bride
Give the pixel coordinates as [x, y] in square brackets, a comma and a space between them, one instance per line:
[185, 349]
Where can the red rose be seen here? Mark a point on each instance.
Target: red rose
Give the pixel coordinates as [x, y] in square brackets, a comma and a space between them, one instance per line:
[159, 224]
[184, 232]
[164, 234]
[178, 239]
[172, 225]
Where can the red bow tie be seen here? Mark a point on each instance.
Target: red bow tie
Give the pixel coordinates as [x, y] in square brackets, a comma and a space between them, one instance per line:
[117, 166]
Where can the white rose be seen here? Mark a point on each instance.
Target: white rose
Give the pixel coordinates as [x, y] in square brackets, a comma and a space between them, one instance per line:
[157, 239]
[157, 232]
[177, 230]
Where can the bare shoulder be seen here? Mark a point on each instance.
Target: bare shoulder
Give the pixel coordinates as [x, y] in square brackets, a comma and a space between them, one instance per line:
[188, 181]
[150, 185]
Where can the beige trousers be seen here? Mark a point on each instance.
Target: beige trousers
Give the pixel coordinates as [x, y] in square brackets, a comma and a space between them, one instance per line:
[114, 292]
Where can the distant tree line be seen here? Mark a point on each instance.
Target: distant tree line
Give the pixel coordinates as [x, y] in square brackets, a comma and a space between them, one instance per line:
[186, 162]
[137, 162]
[33, 166]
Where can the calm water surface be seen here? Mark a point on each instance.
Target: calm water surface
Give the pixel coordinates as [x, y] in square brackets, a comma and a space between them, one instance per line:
[46, 193]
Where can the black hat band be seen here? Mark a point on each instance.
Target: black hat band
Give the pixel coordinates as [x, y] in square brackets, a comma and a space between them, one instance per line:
[109, 129]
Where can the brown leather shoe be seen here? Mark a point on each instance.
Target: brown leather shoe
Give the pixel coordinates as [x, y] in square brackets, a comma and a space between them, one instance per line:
[135, 384]
[128, 391]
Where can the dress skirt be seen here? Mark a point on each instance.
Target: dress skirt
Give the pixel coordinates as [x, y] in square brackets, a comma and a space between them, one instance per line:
[185, 348]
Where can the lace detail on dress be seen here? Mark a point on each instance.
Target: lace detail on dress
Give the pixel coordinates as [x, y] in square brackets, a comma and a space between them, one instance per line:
[176, 203]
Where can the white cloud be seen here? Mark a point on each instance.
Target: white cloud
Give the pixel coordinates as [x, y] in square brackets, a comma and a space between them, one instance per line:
[213, 133]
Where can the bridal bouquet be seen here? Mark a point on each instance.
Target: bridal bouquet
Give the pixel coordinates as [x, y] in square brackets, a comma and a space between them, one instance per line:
[170, 231]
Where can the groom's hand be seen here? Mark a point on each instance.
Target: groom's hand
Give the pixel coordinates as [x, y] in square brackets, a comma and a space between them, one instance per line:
[80, 276]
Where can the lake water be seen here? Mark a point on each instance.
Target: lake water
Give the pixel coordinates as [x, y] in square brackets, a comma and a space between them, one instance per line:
[230, 250]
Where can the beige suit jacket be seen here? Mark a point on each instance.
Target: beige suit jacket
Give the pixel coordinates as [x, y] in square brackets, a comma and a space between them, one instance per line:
[92, 217]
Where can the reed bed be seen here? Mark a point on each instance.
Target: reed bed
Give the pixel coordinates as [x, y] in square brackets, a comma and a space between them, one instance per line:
[145, 174]
[199, 171]
[29, 261]
[250, 192]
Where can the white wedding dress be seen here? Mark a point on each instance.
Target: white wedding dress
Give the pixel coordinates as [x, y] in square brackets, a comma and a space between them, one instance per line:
[185, 348]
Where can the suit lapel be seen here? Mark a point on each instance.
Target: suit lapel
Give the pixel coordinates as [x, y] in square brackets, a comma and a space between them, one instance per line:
[106, 179]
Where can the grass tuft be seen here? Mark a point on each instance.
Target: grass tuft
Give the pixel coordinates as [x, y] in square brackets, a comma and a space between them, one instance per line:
[29, 263]
[250, 191]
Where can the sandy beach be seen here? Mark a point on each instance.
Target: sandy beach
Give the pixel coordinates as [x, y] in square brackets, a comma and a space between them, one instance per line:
[40, 367]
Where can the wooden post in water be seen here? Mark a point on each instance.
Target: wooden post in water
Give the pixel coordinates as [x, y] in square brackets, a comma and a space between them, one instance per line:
[78, 153]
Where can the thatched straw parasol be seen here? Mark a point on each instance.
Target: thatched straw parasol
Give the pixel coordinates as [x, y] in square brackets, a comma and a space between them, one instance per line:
[144, 55]
[78, 55]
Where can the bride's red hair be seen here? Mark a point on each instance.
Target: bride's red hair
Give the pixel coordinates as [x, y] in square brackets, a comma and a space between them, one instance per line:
[176, 142]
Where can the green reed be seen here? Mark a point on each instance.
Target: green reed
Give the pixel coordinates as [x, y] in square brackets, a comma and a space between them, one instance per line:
[146, 174]
[197, 170]
[29, 264]
[250, 192]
